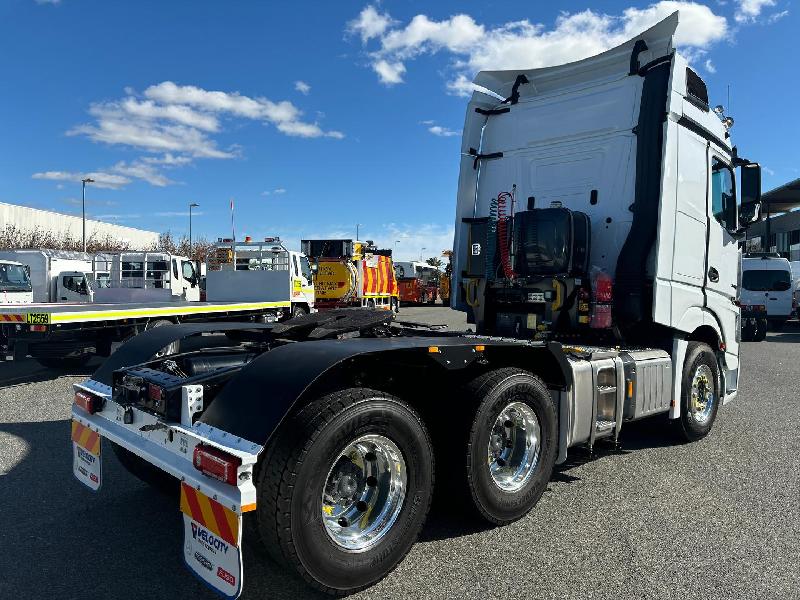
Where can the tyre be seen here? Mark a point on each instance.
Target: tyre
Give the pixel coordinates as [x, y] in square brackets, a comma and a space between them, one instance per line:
[445, 301]
[700, 394]
[515, 425]
[143, 470]
[172, 348]
[64, 362]
[761, 330]
[370, 303]
[776, 324]
[298, 311]
[432, 301]
[345, 488]
[395, 304]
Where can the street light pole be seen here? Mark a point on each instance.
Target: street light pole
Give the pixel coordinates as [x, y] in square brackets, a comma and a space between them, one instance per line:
[84, 181]
[421, 250]
[394, 249]
[191, 206]
[357, 226]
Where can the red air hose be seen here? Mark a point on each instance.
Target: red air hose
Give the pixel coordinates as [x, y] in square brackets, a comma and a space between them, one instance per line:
[502, 234]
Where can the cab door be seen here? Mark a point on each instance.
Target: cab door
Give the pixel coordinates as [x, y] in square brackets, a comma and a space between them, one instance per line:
[722, 264]
[190, 281]
[306, 280]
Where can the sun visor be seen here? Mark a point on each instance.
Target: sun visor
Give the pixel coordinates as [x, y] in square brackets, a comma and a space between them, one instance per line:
[657, 39]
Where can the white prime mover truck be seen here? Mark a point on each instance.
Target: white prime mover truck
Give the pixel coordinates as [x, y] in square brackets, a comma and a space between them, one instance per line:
[595, 251]
[145, 290]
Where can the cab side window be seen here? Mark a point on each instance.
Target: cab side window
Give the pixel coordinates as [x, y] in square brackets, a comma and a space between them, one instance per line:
[723, 193]
[305, 268]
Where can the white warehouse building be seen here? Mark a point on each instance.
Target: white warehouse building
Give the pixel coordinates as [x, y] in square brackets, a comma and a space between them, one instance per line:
[25, 218]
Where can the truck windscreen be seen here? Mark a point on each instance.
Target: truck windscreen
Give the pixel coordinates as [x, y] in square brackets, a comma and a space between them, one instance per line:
[766, 281]
[14, 278]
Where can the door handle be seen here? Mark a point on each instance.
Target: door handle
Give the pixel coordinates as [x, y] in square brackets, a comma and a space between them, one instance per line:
[713, 274]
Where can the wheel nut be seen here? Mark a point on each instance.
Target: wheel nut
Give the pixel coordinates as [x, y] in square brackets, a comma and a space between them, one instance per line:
[370, 456]
[361, 506]
[343, 522]
[508, 424]
[372, 481]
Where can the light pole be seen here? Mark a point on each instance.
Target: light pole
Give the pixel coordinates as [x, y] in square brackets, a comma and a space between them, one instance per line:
[394, 249]
[421, 250]
[84, 181]
[191, 206]
[357, 226]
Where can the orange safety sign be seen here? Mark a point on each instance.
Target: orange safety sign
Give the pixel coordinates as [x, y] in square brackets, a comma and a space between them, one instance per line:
[13, 318]
[86, 438]
[209, 513]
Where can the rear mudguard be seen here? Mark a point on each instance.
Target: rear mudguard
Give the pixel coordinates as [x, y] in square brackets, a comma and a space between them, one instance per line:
[253, 404]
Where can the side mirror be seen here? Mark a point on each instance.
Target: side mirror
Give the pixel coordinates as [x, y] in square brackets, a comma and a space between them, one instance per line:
[750, 183]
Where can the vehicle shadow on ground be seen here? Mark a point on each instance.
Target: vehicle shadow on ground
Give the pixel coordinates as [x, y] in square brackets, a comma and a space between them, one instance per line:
[28, 370]
[124, 541]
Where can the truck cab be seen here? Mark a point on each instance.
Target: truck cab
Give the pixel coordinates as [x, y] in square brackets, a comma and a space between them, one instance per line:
[15, 283]
[599, 202]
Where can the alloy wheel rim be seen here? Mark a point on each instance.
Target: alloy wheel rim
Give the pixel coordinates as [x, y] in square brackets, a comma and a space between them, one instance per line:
[364, 492]
[514, 447]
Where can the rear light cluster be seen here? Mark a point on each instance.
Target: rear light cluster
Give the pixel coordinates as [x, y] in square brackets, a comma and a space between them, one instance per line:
[603, 295]
[216, 464]
[754, 307]
[88, 402]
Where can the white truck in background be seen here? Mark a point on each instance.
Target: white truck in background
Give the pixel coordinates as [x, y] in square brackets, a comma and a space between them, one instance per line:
[57, 275]
[596, 251]
[247, 282]
[767, 281]
[15, 284]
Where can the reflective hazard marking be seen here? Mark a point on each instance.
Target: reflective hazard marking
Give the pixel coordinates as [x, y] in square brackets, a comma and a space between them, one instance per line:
[212, 541]
[86, 463]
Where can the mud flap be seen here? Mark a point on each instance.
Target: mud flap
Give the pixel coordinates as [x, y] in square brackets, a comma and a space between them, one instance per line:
[86, 464]
[212, 542]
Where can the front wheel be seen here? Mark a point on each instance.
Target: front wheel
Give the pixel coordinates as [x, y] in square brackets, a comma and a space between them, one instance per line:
[298, 311]
[511, 447]
[700, 394]
[345, 488]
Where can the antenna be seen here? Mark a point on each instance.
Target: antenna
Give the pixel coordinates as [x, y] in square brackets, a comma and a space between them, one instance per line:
[728, 102]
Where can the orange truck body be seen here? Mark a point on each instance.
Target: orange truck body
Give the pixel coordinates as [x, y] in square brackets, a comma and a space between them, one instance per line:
[368, 281]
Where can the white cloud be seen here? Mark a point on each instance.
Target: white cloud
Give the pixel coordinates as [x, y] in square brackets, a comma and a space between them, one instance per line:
[774, 17]
[168, 160]
[302, 87]
[369, 24]
[710, 66]
[441, 131]
[389, 72]
[179, 213]
[102, 179]
[53, 2]
[412, 238]
[749, 10]
[525, 45]
[276, 192]
[144, 171]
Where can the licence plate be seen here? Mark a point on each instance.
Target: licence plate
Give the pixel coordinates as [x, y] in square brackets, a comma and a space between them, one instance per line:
[212, 541]
[535, 296]
[86, 463]
[37, 318]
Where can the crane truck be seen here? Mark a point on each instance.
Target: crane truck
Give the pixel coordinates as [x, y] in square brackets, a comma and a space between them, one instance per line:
[596, 252]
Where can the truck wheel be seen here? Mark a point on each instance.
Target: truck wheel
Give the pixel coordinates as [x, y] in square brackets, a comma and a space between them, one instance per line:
[445, 301]
[395, 304]
[344, 489]
[298, 311]
[143, 470]
[699, 392]
[172, 348]
[370, 303]
[761, 330]
[511, 446]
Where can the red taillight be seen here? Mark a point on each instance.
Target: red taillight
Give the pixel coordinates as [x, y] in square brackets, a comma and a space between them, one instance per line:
[38, 327]
[216, 464]
[155, 392]
[603, 287]
[601, 316]
[91, 404]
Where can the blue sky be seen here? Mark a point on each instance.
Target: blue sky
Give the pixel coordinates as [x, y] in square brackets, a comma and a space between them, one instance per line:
[315, 116]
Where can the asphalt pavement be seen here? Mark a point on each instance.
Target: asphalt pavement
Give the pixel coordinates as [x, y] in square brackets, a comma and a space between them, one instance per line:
[719, 518]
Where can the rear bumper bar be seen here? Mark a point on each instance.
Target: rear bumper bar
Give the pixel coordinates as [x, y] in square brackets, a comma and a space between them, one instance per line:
[170, 447]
